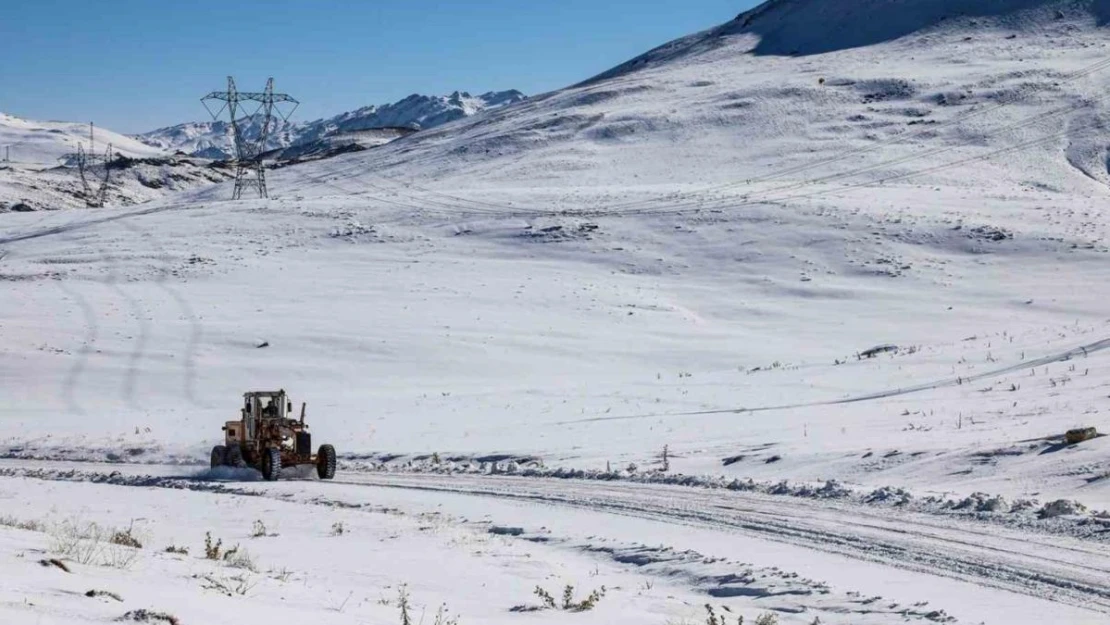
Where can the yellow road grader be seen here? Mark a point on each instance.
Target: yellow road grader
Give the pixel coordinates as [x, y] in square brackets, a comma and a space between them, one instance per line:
[266, 437]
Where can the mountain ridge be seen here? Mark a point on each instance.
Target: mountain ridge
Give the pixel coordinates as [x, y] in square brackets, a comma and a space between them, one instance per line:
[418, 112]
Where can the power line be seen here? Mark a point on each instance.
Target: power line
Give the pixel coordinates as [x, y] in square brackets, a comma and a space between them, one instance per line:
[249, 146]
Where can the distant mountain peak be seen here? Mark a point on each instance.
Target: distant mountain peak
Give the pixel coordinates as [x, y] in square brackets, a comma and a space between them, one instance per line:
[213, 139]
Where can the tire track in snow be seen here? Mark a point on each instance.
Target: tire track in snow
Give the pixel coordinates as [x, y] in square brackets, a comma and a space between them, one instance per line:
[1050, 568]
[196, 332]
[1011, 561]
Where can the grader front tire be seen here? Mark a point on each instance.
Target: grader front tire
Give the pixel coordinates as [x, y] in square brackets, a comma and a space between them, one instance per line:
[325, 462]
[271, 465]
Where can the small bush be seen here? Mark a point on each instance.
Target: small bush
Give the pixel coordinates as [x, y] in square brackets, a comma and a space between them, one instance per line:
[258, 530]
[568, 603]
[403, 605]
[126, 538]
[181, 551]
[212, 550]
[545, 597]
[589, 603]
[767, 618]
[712, 618]
[337, 529]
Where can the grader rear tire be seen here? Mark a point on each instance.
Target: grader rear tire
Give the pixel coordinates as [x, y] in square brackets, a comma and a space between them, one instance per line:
[219, 456]
[325, 462]
[271, 464]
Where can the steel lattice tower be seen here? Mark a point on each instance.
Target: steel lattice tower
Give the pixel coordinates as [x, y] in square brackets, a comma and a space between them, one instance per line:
[95, 171]
[249, 146]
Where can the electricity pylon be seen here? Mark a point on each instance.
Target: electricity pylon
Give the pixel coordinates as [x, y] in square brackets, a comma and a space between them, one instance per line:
[249, 146]
[96, 174]
[95, 171]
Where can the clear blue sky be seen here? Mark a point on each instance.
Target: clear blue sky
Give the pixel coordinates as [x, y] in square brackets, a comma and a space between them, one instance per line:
[135, 65]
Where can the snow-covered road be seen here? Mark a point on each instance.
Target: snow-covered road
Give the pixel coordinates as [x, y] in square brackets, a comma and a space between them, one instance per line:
[1067, 570]
[997, 565]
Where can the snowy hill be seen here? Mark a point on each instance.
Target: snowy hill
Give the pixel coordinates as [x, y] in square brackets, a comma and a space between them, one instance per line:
[213, 140]
[39, 176]
[694, 251]
[37, 143]
[789, 315]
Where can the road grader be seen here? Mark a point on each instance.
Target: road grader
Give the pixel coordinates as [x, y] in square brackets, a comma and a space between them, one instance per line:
[267, 438]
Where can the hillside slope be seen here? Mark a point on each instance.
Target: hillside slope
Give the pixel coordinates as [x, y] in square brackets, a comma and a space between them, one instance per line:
[38, 143]
[696, 254]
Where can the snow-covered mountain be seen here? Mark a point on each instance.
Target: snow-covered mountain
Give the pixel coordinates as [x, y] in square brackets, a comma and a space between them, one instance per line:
[213, 139]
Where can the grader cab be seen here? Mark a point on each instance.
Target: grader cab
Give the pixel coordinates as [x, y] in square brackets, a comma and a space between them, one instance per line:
[266, 437]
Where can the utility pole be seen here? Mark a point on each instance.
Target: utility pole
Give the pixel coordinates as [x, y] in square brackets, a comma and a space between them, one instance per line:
[250, 132]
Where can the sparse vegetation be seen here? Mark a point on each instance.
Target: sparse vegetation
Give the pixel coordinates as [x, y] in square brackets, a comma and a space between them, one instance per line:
[258, 530]
[767, 618]
[20, 524]
[212, 550]
[337, 528]
[711, 617]
[148, 616]
[545, 597]
[126, 538]
[443, 617]
[230, 586]
[403, 605]
[89, 543]
[181, 551]
[238, 558]
[568, 604]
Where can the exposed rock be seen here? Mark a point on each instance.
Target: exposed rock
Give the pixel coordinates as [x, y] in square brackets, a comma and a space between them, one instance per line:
[1079, 435]
[1061, 507]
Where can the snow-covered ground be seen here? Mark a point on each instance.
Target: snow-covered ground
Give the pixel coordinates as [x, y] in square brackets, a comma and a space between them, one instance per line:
[691, 253]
